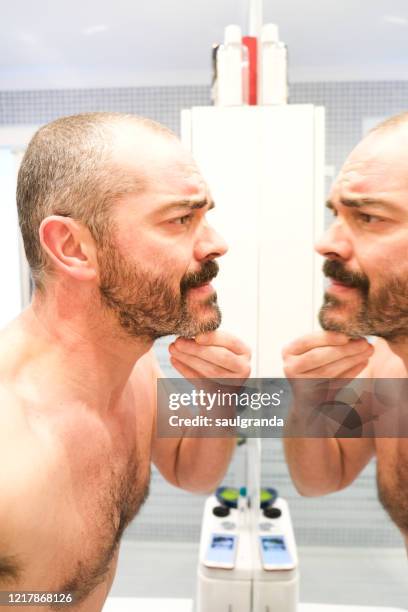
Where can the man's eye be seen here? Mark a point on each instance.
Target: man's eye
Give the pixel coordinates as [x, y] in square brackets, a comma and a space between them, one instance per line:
[369, 219]
[184, 220]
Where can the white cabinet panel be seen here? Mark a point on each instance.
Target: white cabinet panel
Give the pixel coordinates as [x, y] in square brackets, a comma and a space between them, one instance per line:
[286, 263]
[219, 140]
[265, 169]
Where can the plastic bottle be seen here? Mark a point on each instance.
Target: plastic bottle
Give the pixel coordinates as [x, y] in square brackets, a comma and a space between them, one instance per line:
[273, 81]
[232, 69]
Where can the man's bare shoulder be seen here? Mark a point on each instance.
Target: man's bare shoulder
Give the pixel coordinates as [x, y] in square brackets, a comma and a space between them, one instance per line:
[12, 336]
[15, 470]
[13, 424]
[26, 467]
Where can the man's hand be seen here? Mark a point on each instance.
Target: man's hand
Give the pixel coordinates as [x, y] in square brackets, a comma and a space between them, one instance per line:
[326, 355]
[215, 355]
[201, 461]
[318, 366]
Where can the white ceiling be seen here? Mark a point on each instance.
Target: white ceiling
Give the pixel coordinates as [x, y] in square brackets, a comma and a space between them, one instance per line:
[73, 43]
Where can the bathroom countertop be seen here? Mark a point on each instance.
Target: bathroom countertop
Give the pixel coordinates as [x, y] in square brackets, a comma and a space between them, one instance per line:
[135, 604]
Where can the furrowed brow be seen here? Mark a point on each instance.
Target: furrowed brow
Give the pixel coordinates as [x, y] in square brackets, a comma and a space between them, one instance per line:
[189, 205]
[360, 202]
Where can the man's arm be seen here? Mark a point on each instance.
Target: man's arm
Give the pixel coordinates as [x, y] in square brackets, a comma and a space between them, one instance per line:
[199, 464]
[323, 465]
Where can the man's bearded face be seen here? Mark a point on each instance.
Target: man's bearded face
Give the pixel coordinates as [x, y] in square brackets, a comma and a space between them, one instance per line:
[367, 311]
[149, 304]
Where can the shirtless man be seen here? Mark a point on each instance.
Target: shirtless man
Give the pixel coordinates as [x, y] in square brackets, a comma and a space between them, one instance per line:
[365, 252]
[113, 216]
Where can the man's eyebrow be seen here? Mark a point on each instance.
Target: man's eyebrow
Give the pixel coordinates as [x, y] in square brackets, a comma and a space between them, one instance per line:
[188, 205]
[360, 202]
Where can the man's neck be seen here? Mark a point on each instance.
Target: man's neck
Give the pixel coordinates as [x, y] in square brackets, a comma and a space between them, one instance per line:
[80, 350]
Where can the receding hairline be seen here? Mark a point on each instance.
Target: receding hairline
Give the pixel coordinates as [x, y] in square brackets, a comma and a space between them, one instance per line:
[106, 119]
[103, 134]
[391, 123]
[114, 121]
[102, 129]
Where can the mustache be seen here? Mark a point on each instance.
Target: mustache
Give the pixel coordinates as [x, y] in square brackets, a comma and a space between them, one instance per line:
[335, 269]
[208, 271]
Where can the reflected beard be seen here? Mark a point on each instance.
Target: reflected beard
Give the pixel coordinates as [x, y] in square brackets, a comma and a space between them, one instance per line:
[147, 306]
[383, 312]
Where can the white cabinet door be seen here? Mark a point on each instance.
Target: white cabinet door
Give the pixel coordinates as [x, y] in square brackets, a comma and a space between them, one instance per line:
[265, 169]
[226, 149]
[290, 214]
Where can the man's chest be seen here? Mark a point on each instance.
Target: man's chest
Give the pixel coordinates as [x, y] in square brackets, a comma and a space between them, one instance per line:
[97, 476]
[106, 475]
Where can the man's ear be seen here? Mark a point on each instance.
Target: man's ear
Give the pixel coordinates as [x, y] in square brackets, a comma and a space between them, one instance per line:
[70, 247]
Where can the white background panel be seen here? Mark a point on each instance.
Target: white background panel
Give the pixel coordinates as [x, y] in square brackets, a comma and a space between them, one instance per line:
[260, 166]
[319, 206]
[227, 157]
[286, 273]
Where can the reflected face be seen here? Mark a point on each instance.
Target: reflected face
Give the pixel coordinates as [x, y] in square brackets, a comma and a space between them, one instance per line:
[157, 264]
[366, 247]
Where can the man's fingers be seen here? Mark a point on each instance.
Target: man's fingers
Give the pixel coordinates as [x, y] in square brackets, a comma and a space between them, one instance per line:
[213, 355]
[310, 341]
[339, 368]
[323, 356]
[216, 355]
[211, 361]
[202, 368]
[224, 339]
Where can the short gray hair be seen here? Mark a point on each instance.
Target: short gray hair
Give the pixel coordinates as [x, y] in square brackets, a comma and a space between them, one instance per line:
[68, 170]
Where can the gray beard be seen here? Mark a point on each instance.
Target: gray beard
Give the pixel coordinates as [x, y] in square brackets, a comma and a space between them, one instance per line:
[147, 307]
[158, 314]
[383, 314]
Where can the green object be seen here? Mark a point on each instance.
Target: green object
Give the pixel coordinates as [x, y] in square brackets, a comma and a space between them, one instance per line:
[268, 497]
[228, 496]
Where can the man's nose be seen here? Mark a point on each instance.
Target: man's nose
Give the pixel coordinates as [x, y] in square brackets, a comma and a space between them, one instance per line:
[335, 243]
[210, 244]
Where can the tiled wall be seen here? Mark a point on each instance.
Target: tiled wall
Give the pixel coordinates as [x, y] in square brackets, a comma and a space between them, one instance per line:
[352, 517]
[162, 104]
[347, 104]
